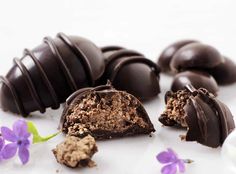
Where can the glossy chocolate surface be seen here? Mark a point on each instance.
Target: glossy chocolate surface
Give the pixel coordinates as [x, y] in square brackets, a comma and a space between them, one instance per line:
[168, 53]
[198, 79]
[130, 71]
[196, 56]
[208, 120]
[224, 73]
[46, 75]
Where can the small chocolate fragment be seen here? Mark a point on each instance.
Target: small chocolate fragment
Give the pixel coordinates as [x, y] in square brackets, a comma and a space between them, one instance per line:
[196, 56]
[47, 75]
[198, 79]
[75, 152]
[208, 121]
[130, 71]
[224, 73]
[168, 53]
[104, 113]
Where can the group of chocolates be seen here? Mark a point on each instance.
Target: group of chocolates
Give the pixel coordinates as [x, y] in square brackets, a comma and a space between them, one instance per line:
[102, 88]
[198, 64]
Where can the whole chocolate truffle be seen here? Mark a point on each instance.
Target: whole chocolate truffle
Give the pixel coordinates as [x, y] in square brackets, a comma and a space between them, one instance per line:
[208, 121]
[130, 71]
[45, 76]
[198, 79]
[196, 56]
[224, 73]
[104, 113]
[168, 53]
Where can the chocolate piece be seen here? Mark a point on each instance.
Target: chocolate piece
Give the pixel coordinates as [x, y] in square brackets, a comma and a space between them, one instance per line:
[47, 75]
[224, 73]
[208, 121]
[198, 79]
[196, 56]
[75, 152]
[130, 71]
[168, 53]
[104, 113]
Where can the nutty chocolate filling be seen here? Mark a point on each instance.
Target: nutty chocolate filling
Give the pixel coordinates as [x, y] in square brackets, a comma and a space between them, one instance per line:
[104, 112]
[174, 114]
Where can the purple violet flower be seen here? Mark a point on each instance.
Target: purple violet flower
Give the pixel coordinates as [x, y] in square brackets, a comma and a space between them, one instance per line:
[172, 161]
[2, 142]
[19, 138]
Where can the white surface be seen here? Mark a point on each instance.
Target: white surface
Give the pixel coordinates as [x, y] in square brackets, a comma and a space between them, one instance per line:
[144, 25]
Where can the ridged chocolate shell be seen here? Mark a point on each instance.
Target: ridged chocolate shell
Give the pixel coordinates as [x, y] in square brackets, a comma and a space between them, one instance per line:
[46, 75]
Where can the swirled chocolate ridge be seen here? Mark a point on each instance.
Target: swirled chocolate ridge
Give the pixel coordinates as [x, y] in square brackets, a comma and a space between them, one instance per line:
[47, 75]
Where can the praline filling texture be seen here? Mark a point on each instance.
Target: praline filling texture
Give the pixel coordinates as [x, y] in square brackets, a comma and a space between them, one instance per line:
[207, 120]
[104, 113]
[130, 71]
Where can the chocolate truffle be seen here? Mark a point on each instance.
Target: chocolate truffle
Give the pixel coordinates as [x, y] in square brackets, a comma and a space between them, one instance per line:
[104, 113]
[198, 79]
[130, 71]
[168, 53]
[45, 76]
[224, 73]
[196, 56]
[75, 152]
[208, 120]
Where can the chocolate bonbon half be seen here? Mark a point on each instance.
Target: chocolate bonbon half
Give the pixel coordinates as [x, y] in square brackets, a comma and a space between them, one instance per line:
[207, 120]
[104, 113]
[130, 71]
[45, 76]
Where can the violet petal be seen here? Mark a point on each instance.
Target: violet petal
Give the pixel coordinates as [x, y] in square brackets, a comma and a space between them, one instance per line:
[169, 169]
[20, 128]
[166, 157]
[181, 166]
[8, 134]
[23, 154]
[2, 142]
[174, 155]
[9, 150]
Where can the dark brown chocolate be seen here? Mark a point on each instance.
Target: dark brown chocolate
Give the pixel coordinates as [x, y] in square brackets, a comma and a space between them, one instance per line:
[224, 73]
[198, 79]
[45, 76]
[208, 121]
[168, 53]
[130, 71]
[196, 56]
[104, 113]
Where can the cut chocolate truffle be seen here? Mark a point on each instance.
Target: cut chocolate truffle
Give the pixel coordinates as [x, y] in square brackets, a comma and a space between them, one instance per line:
[130, 71]
[75, 152]
[198, 79]
[224, 73]
[46, 75]
[208, 121]
[168, 53]
[104, 113]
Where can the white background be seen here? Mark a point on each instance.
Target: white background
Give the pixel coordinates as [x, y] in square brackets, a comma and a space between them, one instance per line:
[145, 25]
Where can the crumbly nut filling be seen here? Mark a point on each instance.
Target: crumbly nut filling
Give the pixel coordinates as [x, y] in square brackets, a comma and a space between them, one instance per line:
[76, 152]
[112, 111]
[175, 107]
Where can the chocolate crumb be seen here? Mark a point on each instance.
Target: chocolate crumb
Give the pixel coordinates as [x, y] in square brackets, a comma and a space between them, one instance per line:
[75, 152]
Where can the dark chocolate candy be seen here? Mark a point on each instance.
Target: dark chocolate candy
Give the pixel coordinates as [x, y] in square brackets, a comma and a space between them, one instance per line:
[130, 71]
[104, 113]
[208, 120]
[168, 53]
[48, 74]
[198, 79]
[224, 73]
[196, 56]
